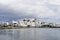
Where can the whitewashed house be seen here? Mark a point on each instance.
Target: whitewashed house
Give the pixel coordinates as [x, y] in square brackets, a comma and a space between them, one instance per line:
[6, 24]
[22, 24]
[2, 24]
[14, 23]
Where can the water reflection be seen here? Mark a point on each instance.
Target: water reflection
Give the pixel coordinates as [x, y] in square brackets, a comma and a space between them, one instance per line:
[30, 34]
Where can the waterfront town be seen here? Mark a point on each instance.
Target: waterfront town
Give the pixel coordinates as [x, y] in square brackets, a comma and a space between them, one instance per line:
[27, 23]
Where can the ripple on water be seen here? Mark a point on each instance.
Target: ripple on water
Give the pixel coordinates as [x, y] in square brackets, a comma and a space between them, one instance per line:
[30, 34]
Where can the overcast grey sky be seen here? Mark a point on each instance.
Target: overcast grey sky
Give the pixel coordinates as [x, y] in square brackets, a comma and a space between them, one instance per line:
[12, 9]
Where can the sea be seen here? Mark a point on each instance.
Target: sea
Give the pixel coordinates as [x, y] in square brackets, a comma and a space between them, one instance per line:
[30, 34]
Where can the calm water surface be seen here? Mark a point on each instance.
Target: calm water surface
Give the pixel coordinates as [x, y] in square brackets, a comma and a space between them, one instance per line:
[30, 34]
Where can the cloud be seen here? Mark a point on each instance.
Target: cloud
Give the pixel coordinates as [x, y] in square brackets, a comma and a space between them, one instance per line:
[28, 7]
[33, 8]
[56, 2]
[8, 14]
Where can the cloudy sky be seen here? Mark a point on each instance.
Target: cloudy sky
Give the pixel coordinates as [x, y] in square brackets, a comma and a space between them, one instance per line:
[48, 10]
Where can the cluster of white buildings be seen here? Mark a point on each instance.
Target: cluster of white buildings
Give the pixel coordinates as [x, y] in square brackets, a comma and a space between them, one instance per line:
[28, 22]
[3, 24]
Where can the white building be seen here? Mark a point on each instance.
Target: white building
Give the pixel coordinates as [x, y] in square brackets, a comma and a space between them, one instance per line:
[14, 23]
[4, 23]
[22, 24]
